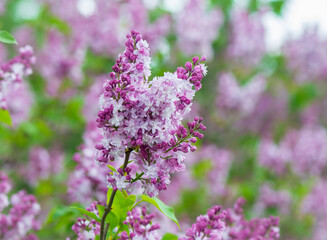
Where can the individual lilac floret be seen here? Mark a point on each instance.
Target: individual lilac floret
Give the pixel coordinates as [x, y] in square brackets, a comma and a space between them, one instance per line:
[208, 227]
[307, 56]
[88, 180]
[43, 163]
[247, 43]
[140, 226]
[87, 228]
[239, 99]
[13, 72]
[197, 28]
[145, 117]
[20, 219]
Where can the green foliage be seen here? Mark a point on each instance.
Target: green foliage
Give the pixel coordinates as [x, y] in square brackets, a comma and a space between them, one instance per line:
[6, 37]
[303, 96]
[89, 214]
[166, 210]
[5, 117]
[169, 236]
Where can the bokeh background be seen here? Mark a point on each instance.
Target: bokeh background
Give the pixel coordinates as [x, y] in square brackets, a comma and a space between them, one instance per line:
[264, 102]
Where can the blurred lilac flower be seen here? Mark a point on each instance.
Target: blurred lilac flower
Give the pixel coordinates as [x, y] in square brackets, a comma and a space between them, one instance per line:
[20, 219]
[13, 72]
[197, 28]
[239, 99]
[246, 43]
[307, 56]
[43, 163]
[88, 180]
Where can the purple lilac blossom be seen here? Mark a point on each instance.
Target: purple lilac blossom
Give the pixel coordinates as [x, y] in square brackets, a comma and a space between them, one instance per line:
[13, 72]
[88, 180]
[20, 102]
[86, 228]
[197, 28]
[20, 219]
[239, 99]
[315, 203]
[268, 197]
[246, 43]
[140, 226]
[60, 60]
[308, 147]
[142, 115]
[273, 156]
[106, 25]
[230, 224]
[43, 163]
[307, 56]
[90, 110]
[238, 228]
[208, 227]
[305, 149]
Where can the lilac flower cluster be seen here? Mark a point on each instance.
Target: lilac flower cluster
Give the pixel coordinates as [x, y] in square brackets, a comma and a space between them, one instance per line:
[103, 24]
[43, 163]
[307, 56]
[140, 226]
[61, 59]
[197, 28]
[145, 117]
[230, 224]
[247, 43]
[88, 180]
[238, 228]
[86, 228]
[304, 149]
[13, 72]
[208, 227]
[239, 99]
[268, 197]
[315, 203]
[20, 219]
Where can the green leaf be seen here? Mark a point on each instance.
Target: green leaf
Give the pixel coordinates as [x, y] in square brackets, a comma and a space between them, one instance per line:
[168, 211]
[277, 6]
[101, 209]
[112, 168]
[5, 117]
[6, 37]
[89, 214]
[169, 236]
[112, 220]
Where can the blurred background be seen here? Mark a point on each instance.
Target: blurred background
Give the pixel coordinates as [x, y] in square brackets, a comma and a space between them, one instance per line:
[264, 102]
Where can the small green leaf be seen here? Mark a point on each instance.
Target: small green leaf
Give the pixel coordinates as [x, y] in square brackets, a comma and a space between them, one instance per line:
[6, 37]
[168, 211]
[89, 214]
[101, 210]
[112, 220]
[112, 168]
[5, 117]
[169, 236]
